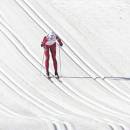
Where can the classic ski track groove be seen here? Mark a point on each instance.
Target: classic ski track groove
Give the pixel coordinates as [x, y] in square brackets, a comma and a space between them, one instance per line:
[28, 98]
[31, 98]
[32, 63]
[108, 84]
[37, 61]
[98, 80]
[12, 114]
[39, 26]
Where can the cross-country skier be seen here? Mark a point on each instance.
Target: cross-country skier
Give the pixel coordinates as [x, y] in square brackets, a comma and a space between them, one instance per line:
[49, 44]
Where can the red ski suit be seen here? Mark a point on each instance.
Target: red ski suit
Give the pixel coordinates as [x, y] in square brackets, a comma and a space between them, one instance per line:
[52, 49]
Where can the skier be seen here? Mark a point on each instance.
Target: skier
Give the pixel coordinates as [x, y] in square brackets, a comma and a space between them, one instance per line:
[49, 43]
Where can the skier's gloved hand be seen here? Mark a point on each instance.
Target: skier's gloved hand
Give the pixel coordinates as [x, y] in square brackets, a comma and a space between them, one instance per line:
[44, 41]
[61, 44]
[41, 45]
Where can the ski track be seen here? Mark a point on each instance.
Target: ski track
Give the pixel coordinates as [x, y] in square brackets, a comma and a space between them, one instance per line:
[30, 99]
[35, 67]
[32, 18]
[107, 83]
[67, 88]
[25, 56]
[61, 87]
[98, 79]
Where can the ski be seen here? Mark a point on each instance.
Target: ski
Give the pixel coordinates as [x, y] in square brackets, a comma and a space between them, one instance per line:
[49, 78]
[53, 76]
[58, 78]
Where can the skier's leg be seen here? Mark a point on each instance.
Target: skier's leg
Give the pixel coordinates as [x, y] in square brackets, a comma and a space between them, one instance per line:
[53, 53]
[46, 52]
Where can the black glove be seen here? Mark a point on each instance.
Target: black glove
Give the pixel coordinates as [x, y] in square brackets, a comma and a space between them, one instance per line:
[61, 44]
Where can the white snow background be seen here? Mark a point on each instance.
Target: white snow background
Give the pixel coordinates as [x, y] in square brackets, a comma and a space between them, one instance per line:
[94, 65]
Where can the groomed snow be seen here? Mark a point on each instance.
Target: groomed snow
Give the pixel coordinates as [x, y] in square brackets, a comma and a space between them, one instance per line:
[95, 90]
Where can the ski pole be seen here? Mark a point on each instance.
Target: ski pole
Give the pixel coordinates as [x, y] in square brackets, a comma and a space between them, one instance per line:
[60, 59]
[42, 64]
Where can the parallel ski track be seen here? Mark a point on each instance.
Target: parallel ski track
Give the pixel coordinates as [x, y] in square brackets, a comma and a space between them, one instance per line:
[14, 115]
[49, 121]
[16, 88]
[19, 50]
[100, 78]
[35, 59]
[97, 79]
[44, 30]
[31, 98]
[27, 59]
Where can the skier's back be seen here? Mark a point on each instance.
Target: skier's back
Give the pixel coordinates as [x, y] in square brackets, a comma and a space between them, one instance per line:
[49, 44]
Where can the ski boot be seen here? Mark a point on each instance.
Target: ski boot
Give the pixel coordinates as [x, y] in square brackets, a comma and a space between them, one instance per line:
[48, 75]
[56, 75]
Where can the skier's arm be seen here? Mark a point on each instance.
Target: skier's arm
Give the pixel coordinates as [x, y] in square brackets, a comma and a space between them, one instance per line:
[44, 41]
[59, 41]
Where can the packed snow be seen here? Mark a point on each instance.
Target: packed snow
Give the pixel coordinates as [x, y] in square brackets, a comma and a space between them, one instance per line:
[93, 92]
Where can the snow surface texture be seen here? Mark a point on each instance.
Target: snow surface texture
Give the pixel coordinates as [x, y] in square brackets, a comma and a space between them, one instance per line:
[95, 90]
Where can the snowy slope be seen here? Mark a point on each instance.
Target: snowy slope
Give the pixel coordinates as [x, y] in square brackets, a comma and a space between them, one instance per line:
[94, 92]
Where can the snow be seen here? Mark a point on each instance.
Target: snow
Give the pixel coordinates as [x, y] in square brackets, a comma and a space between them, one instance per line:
[94, 93]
